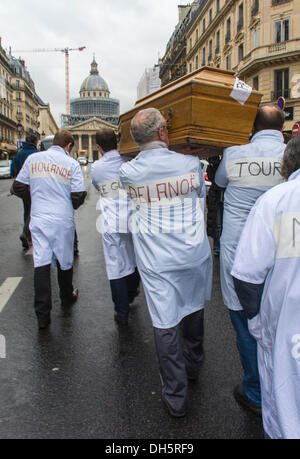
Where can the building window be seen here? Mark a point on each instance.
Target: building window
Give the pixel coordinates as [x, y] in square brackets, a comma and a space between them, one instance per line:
[217, 42]
[19, 109]
[203, 25]
[18, 95]
[282, 30]
[217, 6]
[241, 52]
[210, 16]
[18, 84]
[191, 43]
[197, 35]
[191, 67]
[228, 62]
[240, 24]
[281, 84]
[228, 30]
[255, 8]
[255, 83]
[255, 39]
[203, 56]
[210, 50]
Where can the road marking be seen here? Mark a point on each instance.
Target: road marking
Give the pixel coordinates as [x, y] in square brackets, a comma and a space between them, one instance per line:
[7, 289]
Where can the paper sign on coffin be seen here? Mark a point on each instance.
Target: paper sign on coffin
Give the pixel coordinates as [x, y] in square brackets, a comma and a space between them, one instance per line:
[207, 110]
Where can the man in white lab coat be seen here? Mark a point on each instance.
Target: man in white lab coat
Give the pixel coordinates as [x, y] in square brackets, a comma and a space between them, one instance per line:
[266, 273]
[116, 238]
[55, 183]
[172, 251]
[246, 172]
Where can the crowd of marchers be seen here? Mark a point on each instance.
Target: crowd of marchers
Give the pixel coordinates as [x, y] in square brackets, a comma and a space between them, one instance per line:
[255, 194]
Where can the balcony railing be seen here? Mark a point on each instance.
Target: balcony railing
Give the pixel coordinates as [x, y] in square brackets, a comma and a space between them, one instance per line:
[286, 93]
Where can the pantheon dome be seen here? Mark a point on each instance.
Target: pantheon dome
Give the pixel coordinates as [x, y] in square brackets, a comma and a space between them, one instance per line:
[94, 100]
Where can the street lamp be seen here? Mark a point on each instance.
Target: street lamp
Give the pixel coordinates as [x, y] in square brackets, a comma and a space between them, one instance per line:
[19, 129]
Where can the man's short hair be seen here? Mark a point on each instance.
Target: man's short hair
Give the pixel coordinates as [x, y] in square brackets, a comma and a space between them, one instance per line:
[145, 125]
[63, 138]
[31, 139]
[291, 157]
[269, 117]
[106, 138]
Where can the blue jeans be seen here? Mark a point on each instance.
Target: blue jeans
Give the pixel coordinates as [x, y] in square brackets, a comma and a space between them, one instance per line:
[123, 291]
[248, 353]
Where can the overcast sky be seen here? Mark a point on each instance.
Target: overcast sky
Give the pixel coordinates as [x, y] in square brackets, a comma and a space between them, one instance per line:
[127, 36]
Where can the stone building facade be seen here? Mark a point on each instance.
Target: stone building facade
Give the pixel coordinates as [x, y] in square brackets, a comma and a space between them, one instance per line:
[259, 40]
[94, 110]
[7, 121]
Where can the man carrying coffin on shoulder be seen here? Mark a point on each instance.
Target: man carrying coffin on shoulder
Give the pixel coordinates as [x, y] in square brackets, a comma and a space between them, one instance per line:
[172, 251]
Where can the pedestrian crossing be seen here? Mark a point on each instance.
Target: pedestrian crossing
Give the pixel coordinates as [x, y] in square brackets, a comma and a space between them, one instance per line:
[7, 289]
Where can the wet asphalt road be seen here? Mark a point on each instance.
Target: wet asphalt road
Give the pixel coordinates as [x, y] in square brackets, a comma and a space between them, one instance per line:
[86, 378]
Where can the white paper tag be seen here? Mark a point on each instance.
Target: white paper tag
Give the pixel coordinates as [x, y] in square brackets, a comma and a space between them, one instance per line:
[241, 91]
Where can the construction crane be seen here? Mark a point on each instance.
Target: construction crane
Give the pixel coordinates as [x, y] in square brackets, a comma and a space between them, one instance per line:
[66, 52]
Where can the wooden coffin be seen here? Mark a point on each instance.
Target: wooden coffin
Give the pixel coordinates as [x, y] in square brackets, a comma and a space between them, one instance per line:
[203, 117]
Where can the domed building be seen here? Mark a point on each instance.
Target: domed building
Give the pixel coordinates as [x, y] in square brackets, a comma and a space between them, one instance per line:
[91, 111]
[95, 99]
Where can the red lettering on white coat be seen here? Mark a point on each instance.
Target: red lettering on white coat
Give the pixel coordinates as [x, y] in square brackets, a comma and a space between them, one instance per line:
[164, 185]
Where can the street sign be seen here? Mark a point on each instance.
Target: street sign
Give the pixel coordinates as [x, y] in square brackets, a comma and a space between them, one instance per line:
[296, 129]
[281, 103]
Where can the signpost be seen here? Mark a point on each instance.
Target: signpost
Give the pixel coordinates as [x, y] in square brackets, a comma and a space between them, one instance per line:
[281, 103]
[296, 128]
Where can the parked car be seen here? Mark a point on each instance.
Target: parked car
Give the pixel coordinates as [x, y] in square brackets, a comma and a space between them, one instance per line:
[83, 161]
[204, 165]
[5, 168]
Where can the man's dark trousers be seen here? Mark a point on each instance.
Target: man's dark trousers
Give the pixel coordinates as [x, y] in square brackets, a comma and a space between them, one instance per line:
[42, 288]
[123, 292]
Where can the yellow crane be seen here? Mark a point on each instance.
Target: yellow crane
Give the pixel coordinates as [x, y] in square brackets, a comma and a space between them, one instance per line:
[66, 52]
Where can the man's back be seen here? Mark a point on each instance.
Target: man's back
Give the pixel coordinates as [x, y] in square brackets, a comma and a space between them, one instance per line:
[168, 225]
[52, 175]
[247, 172]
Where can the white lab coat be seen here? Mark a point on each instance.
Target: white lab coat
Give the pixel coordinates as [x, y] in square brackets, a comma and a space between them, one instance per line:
[172, 249]
[52, 176]
[269, 251]
[246, 172]
[115, 211]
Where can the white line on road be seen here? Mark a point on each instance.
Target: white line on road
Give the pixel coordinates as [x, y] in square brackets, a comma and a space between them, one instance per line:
[7, 289]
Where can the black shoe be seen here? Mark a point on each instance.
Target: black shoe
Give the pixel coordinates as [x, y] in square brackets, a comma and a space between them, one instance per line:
[175, 414]
[75, 294]
[68, 304]
[119, 320]
[242, 399]
[44, 323]
[24, 241]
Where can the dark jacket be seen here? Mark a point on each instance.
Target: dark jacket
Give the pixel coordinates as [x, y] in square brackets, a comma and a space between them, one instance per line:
[214, 197]
[21, 157]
